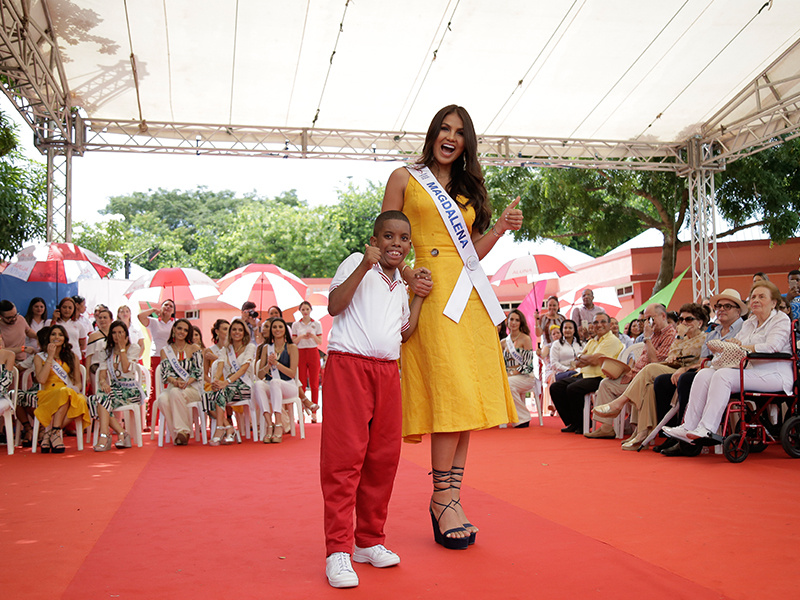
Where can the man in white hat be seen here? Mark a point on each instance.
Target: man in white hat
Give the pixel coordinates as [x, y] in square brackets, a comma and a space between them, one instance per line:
[729, 308]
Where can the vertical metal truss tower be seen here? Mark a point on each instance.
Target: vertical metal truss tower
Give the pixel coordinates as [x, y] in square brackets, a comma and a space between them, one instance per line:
[702, 220]
[34, 80]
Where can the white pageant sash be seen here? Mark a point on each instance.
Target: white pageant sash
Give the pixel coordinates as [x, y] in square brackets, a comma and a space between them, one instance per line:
[513, 352]
[273, 371]
[58, 370]
[472, 274]
[173, 360]
[236, 366]
[128, 384]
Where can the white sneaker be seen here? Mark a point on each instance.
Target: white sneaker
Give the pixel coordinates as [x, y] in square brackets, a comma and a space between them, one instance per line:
[339, 570]
[377, 556]
[678, 432]
[698, 432]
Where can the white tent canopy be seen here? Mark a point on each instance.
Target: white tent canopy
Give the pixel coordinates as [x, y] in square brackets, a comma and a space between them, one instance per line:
[305, 76]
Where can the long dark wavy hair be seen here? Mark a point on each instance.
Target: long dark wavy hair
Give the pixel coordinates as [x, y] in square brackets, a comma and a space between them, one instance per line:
[466, 177]
[110, 343]
[29, 314]
[66, 356]
[523, 322]
[171, 339]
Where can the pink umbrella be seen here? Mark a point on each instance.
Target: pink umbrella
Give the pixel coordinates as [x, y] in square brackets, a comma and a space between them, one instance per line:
[181, 284]
[266, 285]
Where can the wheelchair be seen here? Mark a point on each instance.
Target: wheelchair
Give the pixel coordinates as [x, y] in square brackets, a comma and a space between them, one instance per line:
[755, 420]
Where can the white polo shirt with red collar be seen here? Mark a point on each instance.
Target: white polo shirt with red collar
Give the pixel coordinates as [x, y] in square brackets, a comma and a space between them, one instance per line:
[373, 322]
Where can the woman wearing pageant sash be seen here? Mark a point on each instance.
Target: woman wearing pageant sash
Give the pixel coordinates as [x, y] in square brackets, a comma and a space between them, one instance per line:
[56, 371]
[182, 370]
[116, 380]
[232, 382]
[448, 392]
[518, 354]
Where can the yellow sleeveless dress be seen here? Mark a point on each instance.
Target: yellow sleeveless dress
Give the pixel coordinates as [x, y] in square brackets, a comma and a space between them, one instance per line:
[55, 394]
[453, 374]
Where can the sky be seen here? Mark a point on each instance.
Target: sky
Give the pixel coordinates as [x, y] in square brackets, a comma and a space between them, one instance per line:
[97, 176]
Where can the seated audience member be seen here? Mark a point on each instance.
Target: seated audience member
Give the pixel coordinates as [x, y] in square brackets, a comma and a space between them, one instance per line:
[36, 318]
[232, 381]
[793, 295]
[658, 337]
[116, 382]
[159, 328]
[518, 354]
[766, 330]
[545, 322]
[634, 330]
[58, 373]
[7, 363]
[760, 276]
[96, 345]
[14, 330]
[675, 387]
[219, 337]
[565, 350]
[672, 317]
[685, 350]
[626, 341]
[181, 369]
[584, 315]
[134, 333]
[28, 398]
[274, 312]
[81, 316]
[279, 358]
[568, 394]
[197, 337]
[77, 331]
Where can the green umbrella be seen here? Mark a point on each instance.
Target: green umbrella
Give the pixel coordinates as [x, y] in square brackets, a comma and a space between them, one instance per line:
[661, 297]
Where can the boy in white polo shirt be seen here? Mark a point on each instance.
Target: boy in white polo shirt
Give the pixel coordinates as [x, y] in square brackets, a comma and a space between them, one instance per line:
[361, 428]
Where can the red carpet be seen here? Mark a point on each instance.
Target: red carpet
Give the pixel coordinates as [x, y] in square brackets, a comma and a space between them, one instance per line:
[560, 517]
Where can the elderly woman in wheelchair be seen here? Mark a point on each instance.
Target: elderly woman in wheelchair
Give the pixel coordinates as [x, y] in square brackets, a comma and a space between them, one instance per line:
[767, 330]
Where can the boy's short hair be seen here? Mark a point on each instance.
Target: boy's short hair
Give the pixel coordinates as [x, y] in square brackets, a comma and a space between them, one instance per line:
[388, 215]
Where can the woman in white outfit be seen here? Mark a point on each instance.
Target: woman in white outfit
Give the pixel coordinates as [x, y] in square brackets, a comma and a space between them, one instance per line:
[279, 358]
[518, 355]
[766, 330]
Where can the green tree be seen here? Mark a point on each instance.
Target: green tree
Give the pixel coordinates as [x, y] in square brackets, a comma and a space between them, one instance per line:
[355, 214]
[23, 194]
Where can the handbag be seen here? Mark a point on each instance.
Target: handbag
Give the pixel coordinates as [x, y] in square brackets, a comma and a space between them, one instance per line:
[726, 354]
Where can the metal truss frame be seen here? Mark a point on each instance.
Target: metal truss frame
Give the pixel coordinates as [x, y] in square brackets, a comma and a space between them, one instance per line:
[702, 221]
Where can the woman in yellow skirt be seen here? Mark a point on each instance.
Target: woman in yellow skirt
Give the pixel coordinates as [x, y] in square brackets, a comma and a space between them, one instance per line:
[57, 370]
[453, 374]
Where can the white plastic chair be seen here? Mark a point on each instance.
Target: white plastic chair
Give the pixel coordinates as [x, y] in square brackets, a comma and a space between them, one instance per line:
[198, 416]
[126, 411]
[27, 375]
[10, 410]
[78, 421]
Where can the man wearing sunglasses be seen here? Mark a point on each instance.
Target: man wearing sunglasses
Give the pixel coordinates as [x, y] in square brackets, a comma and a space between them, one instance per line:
[729, 308]
[13, 329]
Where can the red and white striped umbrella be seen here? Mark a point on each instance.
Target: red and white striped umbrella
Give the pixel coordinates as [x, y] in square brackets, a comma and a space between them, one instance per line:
[266, 285]
[604, 297]
[319, 312]
[56, 263]
[181, 284]
[531, 267]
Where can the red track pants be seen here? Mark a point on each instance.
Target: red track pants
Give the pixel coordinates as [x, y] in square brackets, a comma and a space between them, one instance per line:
[308, 370]
[360, 450]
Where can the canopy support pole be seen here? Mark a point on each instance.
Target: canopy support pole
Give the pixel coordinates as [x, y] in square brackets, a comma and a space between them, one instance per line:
[702, 219]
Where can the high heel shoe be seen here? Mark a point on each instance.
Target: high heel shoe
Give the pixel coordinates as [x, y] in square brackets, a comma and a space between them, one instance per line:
[103, 443]
[124, 440]
[268, 433]
[44, 446]
[606, 410]
[230, 435]
[277, 435]
[456, 475]
[309, 407]
[57, 441]
[636, 441]
[441, 479]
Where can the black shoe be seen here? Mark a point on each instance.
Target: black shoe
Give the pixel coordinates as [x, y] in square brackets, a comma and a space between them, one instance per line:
[666, 445]
[522, 425]
[569, 429]
[674, 450]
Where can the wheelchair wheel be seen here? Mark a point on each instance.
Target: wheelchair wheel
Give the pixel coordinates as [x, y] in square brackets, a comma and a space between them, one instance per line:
[736, 448]
[790, 436]
[690, 449]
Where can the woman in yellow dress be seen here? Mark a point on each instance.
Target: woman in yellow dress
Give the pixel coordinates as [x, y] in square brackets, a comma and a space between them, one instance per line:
[453, 374]
[56, 371]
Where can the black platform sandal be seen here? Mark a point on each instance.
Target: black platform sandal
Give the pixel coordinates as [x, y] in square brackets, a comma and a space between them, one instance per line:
[456, 475]
[441, 483]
